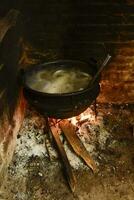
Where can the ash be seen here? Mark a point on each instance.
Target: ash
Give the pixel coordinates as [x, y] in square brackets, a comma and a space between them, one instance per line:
[35, 171]
[93, 134]
[33, 141]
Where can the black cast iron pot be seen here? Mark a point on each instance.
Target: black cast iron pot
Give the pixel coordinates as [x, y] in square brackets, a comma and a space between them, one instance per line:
[62, 105]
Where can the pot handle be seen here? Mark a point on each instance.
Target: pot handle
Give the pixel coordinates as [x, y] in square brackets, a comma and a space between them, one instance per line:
[100, 69]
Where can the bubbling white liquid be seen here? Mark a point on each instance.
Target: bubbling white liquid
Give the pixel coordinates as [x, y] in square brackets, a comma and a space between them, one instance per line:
[59, 81]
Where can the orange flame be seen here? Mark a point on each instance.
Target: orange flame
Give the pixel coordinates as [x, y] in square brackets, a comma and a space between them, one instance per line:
[86, 115]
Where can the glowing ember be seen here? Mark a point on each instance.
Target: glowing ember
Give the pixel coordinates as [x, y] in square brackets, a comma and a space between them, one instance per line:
[87, 115]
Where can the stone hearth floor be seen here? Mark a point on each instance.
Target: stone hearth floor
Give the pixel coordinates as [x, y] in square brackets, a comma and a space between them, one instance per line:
[33, 175]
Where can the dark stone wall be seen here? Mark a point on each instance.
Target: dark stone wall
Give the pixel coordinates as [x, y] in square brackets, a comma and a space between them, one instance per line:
[10, 52]
[77, 29]
[81, 30]
[12, 104]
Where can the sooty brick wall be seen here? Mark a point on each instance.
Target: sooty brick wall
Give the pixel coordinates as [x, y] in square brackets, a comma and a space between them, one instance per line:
[83, 29]
[12, 104]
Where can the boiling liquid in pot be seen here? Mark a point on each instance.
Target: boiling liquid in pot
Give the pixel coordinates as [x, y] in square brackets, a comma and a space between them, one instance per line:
[59, 81]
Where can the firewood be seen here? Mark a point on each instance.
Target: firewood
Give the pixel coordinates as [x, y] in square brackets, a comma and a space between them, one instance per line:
[75, 142]
[70, 175]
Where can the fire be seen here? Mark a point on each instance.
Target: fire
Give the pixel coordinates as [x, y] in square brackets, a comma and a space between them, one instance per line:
[73, 120]
[85, 116]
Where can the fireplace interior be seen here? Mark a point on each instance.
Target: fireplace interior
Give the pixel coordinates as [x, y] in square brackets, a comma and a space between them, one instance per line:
[88, 156]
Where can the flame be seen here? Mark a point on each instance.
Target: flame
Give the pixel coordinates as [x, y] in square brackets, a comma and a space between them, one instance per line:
[86, 115]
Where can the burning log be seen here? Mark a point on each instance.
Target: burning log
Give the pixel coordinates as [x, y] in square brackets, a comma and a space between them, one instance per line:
[69, 131]
[70, 175]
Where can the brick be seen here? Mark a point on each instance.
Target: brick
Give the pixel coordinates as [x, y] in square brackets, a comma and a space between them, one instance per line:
[123, 92]
[126, 51]
[118, 75]
[121, 66]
